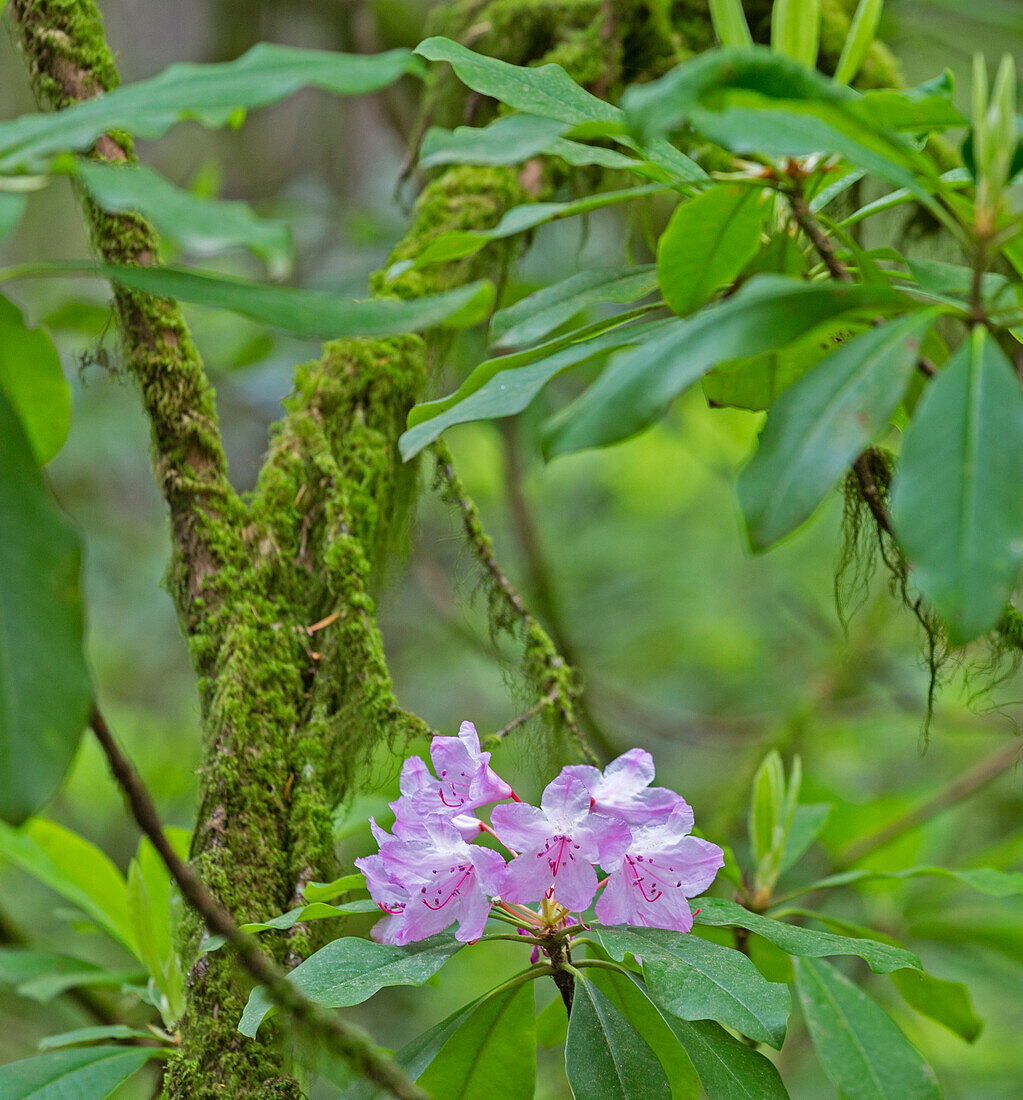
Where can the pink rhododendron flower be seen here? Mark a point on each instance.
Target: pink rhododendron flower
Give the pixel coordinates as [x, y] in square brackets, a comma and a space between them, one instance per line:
[663, 866]
[559, 843]
[466, 777]
[623, 789]
[390, 896]
[421, 796]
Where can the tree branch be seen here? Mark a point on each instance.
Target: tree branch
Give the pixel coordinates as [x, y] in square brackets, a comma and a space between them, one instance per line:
[354, 1046]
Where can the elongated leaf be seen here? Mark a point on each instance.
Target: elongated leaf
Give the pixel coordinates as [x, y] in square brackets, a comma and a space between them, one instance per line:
[349, 971]
[730, 23]
[81, 1073]
[708, 242]
[728, 1068]
[327, 891]
[947, 1003]
[76, 869]
[210, 94]
[697, 980]
[804, 942]
[304, 312]
[82, 1035]
[12, 206]
[546, 90]
[986, 880]
[767, 796]
[45, 688]
[796, 28]
[957, 502]
[818, 426]
[536, 316]
[32, 381]
[861, 33]
[605, 1057]
[496, 1042]
[314, 910]
[768, 312]
[862, 1051]
[200, 225]
[494, 390]
[807, 823]
[43, 975]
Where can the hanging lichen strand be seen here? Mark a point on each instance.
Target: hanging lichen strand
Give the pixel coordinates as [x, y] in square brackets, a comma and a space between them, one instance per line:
[289, 715]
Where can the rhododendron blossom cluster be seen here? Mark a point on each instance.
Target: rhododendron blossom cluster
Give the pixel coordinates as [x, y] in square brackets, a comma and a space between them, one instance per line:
[605, 834]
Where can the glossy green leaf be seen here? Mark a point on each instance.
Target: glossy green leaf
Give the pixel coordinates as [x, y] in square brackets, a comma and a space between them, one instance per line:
[495, 1043]
[74, 868]
[314, 910]
[728, 1068]
[796, 28]
[694, 979]
[767, 796]
[349, 971]
[708, 242]
[768, 312]
[552, 1024]
[730, 23]
[606, 1058]
[200, 225]
[43, 975]
[818, 427]
[312, 313]
[957, 502]
[861, 34]
[807, 823]
[209, 94]
[545, 90]
[32, 381]
[862, 1051]
[539, 314]
[882, 958]
[985, 880]
[504, 386]
[947, 1003]
[327, 891]
[45, 688]
[82, 1035]
[79, 1073]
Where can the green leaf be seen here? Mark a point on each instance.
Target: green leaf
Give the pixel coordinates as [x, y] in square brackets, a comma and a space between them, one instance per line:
[986, 880]
[807, 823]
[697, 980]
[861, 34]
[796, 28]
[83, 1035]
[32, 381]
[327, 891]
[203, 226]
[12, 207]
[728, 1068]
[730, 23]
[315, 910]
[863, 1053]
[209, 94]
[505, 386]
[545, 90]
[882, 958]
[80, 1073]
[947, 1003]
[495, 1043]
[349, 971]
[708, 242]
[304, 312]
[45, 688]
[605, 1057]
[819, 425]
[539, 314]
[43, 975]
[765, 809]
[956, 502]
[768, 312]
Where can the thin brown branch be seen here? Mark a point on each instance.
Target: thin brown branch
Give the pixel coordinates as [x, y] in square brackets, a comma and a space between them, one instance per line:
[872, 494]
[821, 242]
[352, 1044]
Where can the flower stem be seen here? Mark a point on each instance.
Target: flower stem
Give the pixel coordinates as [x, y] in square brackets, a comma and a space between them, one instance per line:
[487, 829]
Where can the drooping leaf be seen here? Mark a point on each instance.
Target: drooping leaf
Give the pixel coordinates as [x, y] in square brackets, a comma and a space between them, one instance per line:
[985, 880]
[768, 312]
[606, 1058]
[43, 975]
[818, 426]
[45, 688]
[495, 1043]
[537, 315]
[327, 891]
[32, 381]
[349, 971]
[882, 958]
[957, 502]
[862, 1051]
[708, 242]
[314, 910]
[200, 225]
[79, 1073]
[74, 868]
[694, 979]
[504, 386]
[209, 94]
[728, 1068]
[82, 1035]
[947, 1003]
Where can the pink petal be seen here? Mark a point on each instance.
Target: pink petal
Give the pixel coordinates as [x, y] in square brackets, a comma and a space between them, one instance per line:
[520, 826]
[565, 801]
[527, 878]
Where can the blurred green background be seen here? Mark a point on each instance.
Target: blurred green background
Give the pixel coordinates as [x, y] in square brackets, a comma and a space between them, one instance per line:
[689, 646]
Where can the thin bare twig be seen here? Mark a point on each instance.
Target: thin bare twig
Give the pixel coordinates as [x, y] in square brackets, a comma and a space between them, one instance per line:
[352, 1044]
